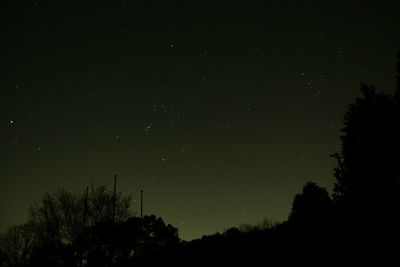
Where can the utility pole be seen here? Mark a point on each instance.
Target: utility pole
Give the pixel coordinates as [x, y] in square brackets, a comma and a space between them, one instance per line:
[112, 245]
[141, 226]
[80, 244]
[114, 197]
[86, 207]
[141, 205]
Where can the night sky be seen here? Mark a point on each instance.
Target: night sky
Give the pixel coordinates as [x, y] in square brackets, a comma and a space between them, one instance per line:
[220, 111]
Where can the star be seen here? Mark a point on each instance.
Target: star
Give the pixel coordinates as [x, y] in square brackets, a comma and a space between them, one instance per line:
[148, 127]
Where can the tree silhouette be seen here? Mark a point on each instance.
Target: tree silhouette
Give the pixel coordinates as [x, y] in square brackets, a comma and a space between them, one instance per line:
[371, 153]
[60, 221]
[312, 205]
[60, 216]
[367, 188]
[16, 245]
[132, 241]
[371, 145]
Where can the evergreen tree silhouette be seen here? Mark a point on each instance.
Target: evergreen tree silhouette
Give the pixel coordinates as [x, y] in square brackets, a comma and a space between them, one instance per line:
[367, 188]
[371, 153]
[313, 205]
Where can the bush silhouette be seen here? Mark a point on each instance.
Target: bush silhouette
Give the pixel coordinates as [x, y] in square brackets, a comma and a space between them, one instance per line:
[313, 205]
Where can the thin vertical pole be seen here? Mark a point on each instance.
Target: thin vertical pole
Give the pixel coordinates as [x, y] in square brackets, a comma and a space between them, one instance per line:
[115, 196]
[80, 244]
[86, 207]
[141, 205]
[141, 226]
[113, 221]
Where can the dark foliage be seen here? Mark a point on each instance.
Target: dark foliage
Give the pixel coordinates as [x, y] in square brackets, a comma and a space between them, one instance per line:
[370, 145]
[367, 191]
[368, 186]
[312, 206]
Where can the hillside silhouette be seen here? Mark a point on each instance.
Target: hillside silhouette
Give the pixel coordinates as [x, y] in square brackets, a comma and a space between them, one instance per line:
[357, 225]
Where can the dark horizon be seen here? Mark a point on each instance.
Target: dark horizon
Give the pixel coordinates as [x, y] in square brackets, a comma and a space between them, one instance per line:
[219, 112]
